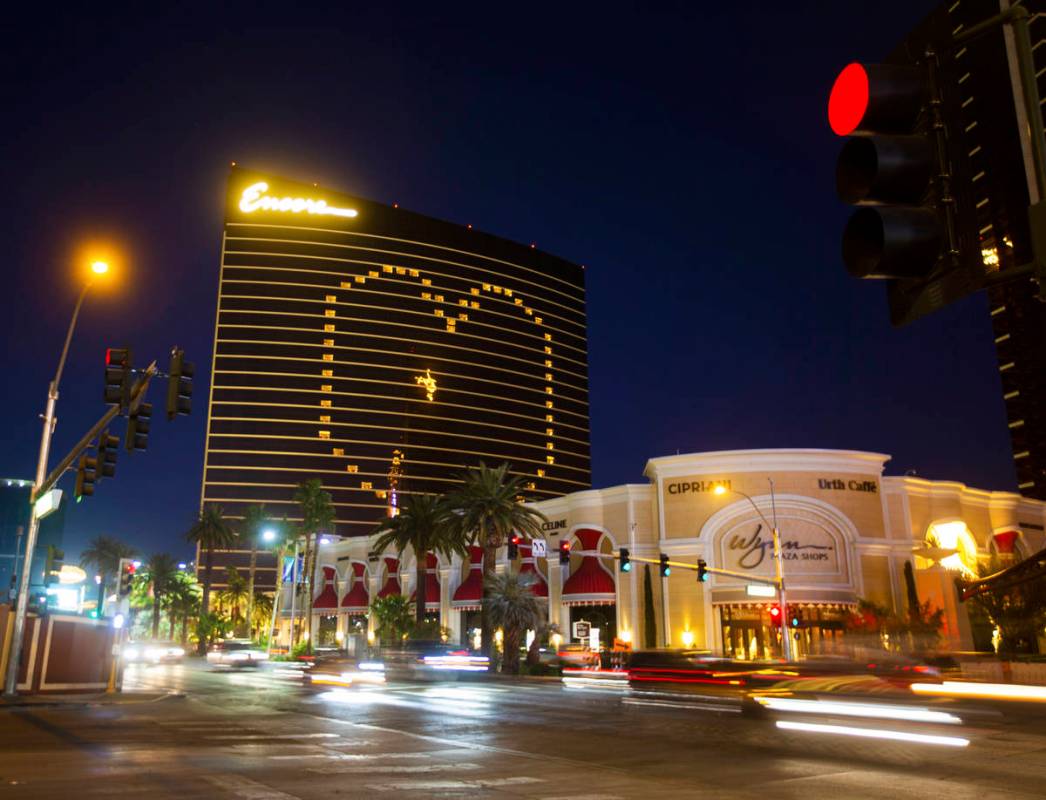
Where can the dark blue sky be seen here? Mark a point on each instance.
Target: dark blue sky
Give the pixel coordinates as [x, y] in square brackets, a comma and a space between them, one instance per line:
[681, 154]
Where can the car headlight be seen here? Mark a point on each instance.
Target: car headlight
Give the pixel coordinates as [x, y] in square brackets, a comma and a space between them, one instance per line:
[130, 654]
[370, 666]
[177, 652]
[154, 653]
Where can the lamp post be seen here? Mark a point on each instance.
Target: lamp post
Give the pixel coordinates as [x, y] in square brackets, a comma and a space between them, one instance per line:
[10, 685]
[786, 642]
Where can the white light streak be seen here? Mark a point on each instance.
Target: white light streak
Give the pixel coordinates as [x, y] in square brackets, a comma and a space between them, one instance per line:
[994, 691]
[870, 710]
[874, 733]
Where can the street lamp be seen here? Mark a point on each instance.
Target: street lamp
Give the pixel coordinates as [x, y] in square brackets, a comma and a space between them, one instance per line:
[10, 685]
[720, 489]
[268, 535]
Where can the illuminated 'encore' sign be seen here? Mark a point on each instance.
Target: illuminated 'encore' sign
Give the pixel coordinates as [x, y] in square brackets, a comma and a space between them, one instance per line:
[255, 199]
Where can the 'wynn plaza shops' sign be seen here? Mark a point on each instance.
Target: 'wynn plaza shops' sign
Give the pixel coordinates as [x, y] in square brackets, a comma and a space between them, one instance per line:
[806, 548]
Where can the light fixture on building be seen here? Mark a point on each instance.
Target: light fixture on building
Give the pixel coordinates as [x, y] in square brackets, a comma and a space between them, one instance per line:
[688, 638]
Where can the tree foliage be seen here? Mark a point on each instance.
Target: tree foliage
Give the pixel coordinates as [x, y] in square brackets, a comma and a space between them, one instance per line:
[512, 607]
[1019, 612]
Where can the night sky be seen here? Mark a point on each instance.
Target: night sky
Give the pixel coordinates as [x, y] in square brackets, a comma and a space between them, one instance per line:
[682, 155]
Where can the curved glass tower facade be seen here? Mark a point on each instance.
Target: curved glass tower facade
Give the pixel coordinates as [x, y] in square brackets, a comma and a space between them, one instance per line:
[383, 352]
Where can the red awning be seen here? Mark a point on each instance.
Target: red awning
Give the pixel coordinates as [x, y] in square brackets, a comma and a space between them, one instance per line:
[469, 595]
[431, 584]
[328, 597]
[526, 567]
[392, 582]
[591, 583]
[357, 599]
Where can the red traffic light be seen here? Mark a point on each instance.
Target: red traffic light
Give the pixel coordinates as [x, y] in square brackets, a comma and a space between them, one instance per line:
[516, 538]
[775, 612]
[130, 569]
[848, 100]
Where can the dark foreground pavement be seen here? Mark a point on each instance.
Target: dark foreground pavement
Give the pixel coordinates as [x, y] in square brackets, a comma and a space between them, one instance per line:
[257, 736]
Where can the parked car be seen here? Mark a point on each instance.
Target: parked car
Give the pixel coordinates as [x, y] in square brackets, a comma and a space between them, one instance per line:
[236, 653]
[153, 652]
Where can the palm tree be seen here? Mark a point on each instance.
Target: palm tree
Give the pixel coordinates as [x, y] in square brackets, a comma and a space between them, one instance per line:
[234, 595]
[261, 608]
[317, 514]
[511, 606]
[211, 531]
[183, 600]
[255, 521]
[485, 510]
[102, 556]
[421, 525]
[161, 569]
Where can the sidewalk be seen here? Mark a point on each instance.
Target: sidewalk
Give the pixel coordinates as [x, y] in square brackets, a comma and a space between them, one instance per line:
[86, 699]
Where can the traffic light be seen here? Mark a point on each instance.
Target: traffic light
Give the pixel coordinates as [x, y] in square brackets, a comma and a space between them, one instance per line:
[53, 564]
[108, 447]
[513, 546]
[564, 551]
[775, 615]
[118, 377]
[665, 569]
[127, 571]
[795, 618]
[138, 427]
[624, 559]
[179, 385]
[702, 570]
[86, 473]
[936, 160]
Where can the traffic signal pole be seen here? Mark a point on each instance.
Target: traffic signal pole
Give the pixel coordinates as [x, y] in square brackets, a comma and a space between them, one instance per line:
[43, 484]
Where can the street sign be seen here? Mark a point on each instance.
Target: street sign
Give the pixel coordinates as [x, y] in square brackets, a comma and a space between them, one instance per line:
[47, 503]
[539, 548]
[582, 630]
[759, 590]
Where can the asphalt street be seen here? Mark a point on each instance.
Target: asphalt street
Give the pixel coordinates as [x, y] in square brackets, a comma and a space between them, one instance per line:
[260, 735]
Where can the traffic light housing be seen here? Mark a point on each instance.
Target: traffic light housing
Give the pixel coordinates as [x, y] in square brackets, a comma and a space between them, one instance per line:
[513, 546]
[775, 615]
[665, 569]
[53, 564]
[795, 618]
[86, 474]
[179, 385]
[118, 377]
[108, 447]
[564, 551]
[624, 560]
[127, 572]
[702, 570]
[138, 427]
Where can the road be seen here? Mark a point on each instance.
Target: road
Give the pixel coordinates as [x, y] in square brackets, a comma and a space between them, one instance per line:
[256, 736]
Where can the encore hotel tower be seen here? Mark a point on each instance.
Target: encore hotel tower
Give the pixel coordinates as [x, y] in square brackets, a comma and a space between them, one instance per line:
[384, 352]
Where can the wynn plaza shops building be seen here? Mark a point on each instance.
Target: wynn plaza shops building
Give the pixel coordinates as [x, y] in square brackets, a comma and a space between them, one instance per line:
[384, 352]
[846, 530]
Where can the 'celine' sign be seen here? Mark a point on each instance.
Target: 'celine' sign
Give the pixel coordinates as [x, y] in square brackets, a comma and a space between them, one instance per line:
[255, 199]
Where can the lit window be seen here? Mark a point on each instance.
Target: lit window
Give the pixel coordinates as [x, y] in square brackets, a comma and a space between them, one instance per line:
[548, 418]
[474, 290]
[325, 403]
[508, 293]
[325, 417]
[528, 311]
[414, 273]
[548, 338]
[531, 485]
[328, 356]
[463, 317]
[325, 434]
[426, 281]
[328, 327]
[548, 362]
[1022, 454]
[332, 298]
[450, 326]
[346, 285]
[1018, 424]
[366, 485]
[326, 388]
[359, 279]
[486, 287]
[519, 301]
[327, 373]
[352, 468]
[439, 298]
[541, 473]
[329, 312]
[426, 295]
[381, 494]
[550, 431]
[548, 376]
[548, 350]
[328, 343]
[439, 312]
[549, 446]
[550, 459]
[548, 404]
[548, 390]
[401, 270]
[463, 302]
[338, 451]
[373, 273]
[537, 320]
[386, 269]
[475, 304]
[497, 290]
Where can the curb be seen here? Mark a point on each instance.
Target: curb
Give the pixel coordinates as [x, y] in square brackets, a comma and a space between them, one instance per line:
[116, 699]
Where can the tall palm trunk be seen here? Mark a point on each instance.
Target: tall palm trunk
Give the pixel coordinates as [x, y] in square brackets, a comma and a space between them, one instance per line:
[419, 582]
[310, 569]
[170, 624]
[156, 615]
[490, 560]
[205, 600]
[185, 629]
[250, 591]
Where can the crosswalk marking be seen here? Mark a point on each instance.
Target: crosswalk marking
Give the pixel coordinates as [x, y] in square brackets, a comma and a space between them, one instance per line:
[349, 756]
[435, 786]
[267, 736]
[246, 788]
[391, 768]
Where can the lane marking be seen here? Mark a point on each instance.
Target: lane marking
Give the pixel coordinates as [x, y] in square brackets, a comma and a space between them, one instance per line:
[268, 736]
[392, 768]
[435, 786]
[349, 756]
[246, 788]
